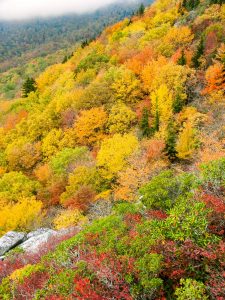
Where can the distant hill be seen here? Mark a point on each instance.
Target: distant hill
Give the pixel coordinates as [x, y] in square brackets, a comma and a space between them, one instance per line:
[27, 48]
[21, 41]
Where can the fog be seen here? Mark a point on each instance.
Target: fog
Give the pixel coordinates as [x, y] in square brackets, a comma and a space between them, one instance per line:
[27, 9]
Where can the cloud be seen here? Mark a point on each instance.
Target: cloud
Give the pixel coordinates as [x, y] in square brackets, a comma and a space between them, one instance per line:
[26, 9]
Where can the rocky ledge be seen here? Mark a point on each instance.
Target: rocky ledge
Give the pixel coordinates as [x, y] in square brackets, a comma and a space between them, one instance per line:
[30, 242]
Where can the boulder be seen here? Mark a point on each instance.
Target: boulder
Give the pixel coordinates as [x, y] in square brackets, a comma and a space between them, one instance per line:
[33, 244]
[39, 232]
[10, 240]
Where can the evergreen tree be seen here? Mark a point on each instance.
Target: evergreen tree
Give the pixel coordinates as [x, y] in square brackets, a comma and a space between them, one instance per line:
[144, 124]
[190, 4]
[65, 59]
[198, 54]
[156, 121]
[84, 44]
[178, 104]
[182, 60]
[28, 86]
[170, 148]
[141, 10]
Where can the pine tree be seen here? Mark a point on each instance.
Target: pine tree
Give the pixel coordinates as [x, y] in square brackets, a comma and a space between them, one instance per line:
[170, 148]
[178, 104]
[84, 44]
[144, 124]
[156, 121]
[28, 86]
[65, 59]
[190, 4]
[198, 54]
[141, 10]
[182, 60]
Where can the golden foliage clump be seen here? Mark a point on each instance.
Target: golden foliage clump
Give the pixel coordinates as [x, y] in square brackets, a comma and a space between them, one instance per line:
[121, 118]
[113, 154]
[20, 216]
[90, 126]
[187, 141]
[69, 218]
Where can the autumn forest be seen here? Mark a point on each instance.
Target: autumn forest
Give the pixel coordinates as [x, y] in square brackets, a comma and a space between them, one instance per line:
[124, 142]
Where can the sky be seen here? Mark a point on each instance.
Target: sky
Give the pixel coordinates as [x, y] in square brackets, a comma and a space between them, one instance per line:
[27, 9]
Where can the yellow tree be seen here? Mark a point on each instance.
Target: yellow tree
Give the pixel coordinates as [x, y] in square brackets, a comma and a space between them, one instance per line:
[175, 38]
[127, 87]
[162, 108]
[121, 118]
[90, 126]
[187, 141]
[22, 154]
[113, 154]
[52, 143]
[20, 216]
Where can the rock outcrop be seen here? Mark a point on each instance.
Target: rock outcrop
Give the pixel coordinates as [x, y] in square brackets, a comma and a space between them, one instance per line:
[33, 241]
[36, 238]
[10, 241]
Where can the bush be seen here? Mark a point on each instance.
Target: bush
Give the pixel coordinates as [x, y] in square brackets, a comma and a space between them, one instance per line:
[68, 218]
[21, 216]
[163, 191]
[213, 176]
[82, 198]
[191, 290]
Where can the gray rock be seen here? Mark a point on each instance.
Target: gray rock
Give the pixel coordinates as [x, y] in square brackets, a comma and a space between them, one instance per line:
[39, 232]
[33, 244]
[10, 241]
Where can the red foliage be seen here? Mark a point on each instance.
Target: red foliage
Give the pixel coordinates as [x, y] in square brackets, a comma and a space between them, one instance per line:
[82, 199]
[85, 290]
[190, 260]
[55, 191]
[31, 284]
[55, 297]
[157, 214]
[216, 217]
[213, 202]
[132, 219]
[109, 283]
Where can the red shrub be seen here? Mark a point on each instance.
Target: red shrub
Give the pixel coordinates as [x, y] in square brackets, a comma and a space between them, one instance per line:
[82, 199]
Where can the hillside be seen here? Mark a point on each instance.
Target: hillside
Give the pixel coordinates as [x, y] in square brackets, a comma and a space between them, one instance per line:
[124, 142]
[28, 47]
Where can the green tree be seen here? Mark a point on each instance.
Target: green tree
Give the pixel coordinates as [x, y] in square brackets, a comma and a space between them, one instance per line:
[198, 54]
[28, 86]
[182, 60]
[170, 148]
[144, 123]
[141, 10]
